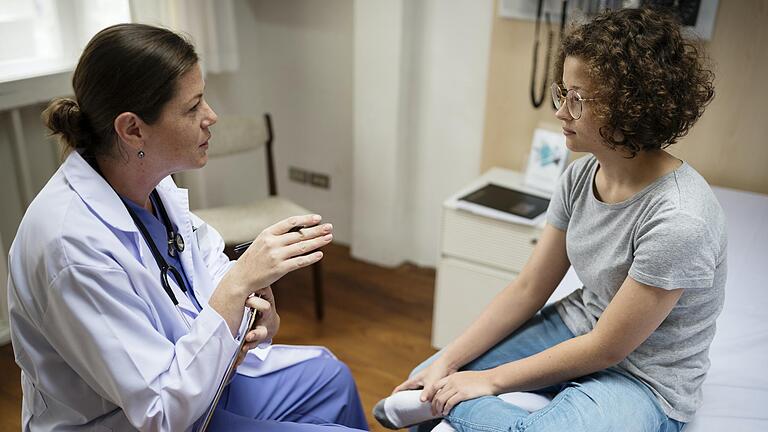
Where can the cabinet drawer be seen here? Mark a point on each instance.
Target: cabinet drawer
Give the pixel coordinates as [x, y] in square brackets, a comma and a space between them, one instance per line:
[462, 291]
[504, 245]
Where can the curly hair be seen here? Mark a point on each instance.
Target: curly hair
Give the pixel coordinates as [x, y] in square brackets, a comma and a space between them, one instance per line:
[654, 83]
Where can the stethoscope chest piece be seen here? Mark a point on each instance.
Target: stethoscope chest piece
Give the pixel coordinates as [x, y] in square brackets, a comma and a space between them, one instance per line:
[175, 240]
[175, 244]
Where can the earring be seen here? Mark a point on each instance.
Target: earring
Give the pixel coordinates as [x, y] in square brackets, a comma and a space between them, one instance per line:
[140, 154]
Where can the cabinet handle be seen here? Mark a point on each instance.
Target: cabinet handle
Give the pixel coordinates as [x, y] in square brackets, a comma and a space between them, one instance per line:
[534, 241]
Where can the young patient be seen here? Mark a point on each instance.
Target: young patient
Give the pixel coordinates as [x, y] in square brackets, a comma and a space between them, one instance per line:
[643, 231]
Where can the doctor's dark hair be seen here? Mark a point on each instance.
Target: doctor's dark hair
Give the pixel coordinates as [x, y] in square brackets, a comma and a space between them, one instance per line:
[652, 83]
[124, 68]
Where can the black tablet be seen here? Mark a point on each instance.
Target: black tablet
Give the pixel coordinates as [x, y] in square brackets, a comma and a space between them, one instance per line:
[508, 200]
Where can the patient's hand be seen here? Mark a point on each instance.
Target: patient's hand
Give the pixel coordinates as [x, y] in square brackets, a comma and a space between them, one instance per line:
[427, 378]
[459, 387]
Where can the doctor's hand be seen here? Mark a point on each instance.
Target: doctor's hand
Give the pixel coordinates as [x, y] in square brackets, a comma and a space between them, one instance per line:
[266, 325]
[276, 251]
[280, 249]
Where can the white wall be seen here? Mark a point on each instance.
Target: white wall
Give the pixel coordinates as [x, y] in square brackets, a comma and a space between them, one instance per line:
[393, 90]
[295, 62]
[449, 115]
[420, 79]
[383, 72]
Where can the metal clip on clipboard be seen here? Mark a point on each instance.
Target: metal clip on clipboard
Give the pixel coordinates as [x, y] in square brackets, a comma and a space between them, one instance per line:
[252, 317]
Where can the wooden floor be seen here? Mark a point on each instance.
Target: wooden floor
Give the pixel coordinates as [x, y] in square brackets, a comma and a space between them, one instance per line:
[10, 391]
[377, 320]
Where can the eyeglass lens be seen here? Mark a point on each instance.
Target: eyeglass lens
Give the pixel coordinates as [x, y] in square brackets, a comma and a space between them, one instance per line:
[572, 102]
[556, 95]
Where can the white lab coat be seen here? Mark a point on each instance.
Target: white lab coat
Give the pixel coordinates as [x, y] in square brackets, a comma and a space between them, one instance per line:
[99, 342]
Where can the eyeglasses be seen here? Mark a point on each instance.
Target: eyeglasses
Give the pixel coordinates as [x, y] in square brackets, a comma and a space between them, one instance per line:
[573, 100]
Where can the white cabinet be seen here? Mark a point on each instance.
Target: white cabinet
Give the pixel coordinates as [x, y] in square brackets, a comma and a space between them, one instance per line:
[463, 290]
[479, 256]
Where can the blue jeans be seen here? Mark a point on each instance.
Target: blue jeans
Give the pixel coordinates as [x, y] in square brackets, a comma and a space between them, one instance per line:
[317, 395]
[608, 400]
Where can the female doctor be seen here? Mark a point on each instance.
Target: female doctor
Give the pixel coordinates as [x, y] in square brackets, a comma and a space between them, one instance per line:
[124, 309]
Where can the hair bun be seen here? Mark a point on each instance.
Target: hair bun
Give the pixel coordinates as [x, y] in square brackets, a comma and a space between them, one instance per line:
[64, 118]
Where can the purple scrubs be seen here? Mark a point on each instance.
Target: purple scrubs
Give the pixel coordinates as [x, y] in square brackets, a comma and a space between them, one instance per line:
[316, 395]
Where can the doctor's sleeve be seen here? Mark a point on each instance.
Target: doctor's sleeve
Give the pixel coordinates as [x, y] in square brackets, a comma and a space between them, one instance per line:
[212, 249]
[109, 336]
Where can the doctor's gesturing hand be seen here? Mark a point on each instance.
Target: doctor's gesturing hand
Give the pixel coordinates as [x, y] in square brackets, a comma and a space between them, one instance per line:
[278, 250]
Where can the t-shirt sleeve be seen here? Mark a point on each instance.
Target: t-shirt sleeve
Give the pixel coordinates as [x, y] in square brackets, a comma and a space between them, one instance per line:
[559, 210]
[674, 250]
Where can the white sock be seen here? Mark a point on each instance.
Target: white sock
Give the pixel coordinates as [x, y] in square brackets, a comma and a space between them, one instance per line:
[403, 409]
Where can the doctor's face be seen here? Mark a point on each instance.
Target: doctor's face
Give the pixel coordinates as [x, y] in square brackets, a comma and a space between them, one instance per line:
[178, 140]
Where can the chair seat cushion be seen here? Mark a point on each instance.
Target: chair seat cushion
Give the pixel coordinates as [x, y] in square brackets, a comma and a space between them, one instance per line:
[242, 223]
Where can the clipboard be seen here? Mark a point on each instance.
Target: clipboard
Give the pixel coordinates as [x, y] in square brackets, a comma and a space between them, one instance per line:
[252, 317]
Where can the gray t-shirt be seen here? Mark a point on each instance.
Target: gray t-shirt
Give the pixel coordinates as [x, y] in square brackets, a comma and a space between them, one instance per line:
[670, 235]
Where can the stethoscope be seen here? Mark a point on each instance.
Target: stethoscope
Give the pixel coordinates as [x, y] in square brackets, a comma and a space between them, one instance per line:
[175, 246]
[175, 243]
[538, 99]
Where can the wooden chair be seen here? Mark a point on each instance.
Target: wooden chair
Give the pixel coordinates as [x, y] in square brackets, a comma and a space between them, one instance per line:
[242, 223]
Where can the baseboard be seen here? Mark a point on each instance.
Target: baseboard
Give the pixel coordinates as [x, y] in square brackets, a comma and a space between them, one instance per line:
[5, 333]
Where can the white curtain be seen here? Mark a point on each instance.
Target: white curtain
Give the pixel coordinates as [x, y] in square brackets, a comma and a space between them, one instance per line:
[209, 23]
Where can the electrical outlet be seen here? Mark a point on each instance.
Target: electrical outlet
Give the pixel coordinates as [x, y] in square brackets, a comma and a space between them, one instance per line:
[298, 175]
[320, 180]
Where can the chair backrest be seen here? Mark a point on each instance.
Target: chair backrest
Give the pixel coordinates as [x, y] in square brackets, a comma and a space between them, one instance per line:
[237, 134]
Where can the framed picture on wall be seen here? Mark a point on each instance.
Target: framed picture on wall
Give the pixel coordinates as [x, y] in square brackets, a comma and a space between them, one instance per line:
[547, 160]
[697, 16]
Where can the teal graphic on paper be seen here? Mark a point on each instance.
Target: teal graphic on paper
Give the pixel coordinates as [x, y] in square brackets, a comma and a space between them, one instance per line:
[547, 155]
[546, 160]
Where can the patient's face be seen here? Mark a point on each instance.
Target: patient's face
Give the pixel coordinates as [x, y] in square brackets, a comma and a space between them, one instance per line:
[582, 135]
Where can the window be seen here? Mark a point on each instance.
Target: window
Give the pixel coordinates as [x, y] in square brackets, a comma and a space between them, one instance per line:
[46, 36]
